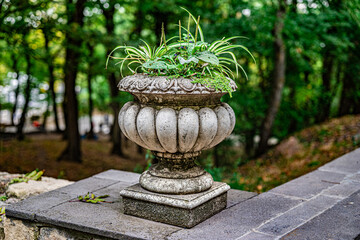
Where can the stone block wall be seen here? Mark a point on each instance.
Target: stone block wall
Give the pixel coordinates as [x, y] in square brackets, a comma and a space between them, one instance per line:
[13, 229]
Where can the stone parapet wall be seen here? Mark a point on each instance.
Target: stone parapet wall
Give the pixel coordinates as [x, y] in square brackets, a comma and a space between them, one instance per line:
[323, 204]
[13, 229]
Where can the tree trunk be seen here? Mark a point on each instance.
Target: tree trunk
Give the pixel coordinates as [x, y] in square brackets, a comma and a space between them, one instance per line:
[46, 114]
[350, 99]
[17, 90]
[20, 126]
[325, 97]
[74, 40]
[279, 79]
[90, 134]
[50, 65]
[115, 129]
[139, 21]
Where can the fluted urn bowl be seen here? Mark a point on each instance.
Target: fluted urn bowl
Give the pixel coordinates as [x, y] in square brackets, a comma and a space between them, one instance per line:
[175, 119]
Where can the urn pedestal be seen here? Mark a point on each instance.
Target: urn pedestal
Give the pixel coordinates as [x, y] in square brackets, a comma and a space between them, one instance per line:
[176, 120]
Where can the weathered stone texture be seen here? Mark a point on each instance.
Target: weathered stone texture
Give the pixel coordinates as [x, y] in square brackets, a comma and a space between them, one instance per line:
[339, 222]
[24, 190]
[17, 229]
[179, 210]
[309, 185]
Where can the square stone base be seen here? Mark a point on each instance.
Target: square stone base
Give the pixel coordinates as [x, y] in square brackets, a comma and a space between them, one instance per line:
[179, 210]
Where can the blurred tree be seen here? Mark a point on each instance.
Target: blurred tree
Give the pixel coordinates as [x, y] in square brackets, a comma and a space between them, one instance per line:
[114, 93]
[278, 81]
[75, 15]
[48, 31]
[27, 92]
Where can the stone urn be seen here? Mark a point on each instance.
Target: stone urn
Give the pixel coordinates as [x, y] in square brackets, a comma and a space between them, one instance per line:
[175, 119]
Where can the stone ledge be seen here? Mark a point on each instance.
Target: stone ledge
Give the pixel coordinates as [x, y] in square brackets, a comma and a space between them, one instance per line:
[326, 201]
[106, 219]
[188, 201]
[179, 210]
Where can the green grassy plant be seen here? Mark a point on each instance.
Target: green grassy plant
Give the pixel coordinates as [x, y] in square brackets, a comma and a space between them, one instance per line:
[190, 57]
[34, 175]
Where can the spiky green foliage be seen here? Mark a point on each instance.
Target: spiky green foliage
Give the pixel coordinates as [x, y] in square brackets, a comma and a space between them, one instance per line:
[34, 175]
[208, 64]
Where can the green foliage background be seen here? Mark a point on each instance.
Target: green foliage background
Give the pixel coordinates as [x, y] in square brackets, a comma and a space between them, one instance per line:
[316, 33]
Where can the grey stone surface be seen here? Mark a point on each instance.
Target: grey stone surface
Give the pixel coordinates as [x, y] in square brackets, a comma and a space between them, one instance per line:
[16, 229]
[208, 128]
[349, 163]
[25, 189]
[177, 216]
[310, 184]
[325, 211]
[2, 233]
[238, 220]
[187, 201]
[176, 185]
[32, 206]
[297, 216]
[179, 210]
[103, 219]
[51, 233]
[117, 175]
[257, 236]
[237, 196]
[87, 185]
[354, 177]
[345, 189]
[339, 222]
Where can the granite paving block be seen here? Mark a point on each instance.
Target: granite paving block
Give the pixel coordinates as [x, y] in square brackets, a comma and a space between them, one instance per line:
[237, 196]
[297, 216]
[354, 177]
[30, 207]
[349, 163]
[84, 186]
[103, 219]
[345, 189]
[113, 191]
[342, 221]
[118, 175]
[236, 221]
[256, 236]
[310, 184]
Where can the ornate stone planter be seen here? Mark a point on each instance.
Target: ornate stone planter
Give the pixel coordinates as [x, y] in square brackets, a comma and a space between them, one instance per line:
[176, 120]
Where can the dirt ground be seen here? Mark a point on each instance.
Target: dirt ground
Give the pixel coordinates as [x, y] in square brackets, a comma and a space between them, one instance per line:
[299, 154]
[42, 150]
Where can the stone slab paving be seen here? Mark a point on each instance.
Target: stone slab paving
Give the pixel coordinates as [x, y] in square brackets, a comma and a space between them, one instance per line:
[340, 222]
[324, 204]
[57, 209]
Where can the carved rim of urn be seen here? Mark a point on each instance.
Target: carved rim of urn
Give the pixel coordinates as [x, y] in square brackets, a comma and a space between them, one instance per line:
[175, 119]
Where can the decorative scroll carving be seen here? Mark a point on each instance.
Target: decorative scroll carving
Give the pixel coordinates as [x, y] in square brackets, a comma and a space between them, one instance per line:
[142, 83]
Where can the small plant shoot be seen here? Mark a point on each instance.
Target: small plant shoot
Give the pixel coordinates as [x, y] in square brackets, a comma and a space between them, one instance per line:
[91, 198]
[186, 55]
[34, 175]
[3, 198]
[2, 213]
